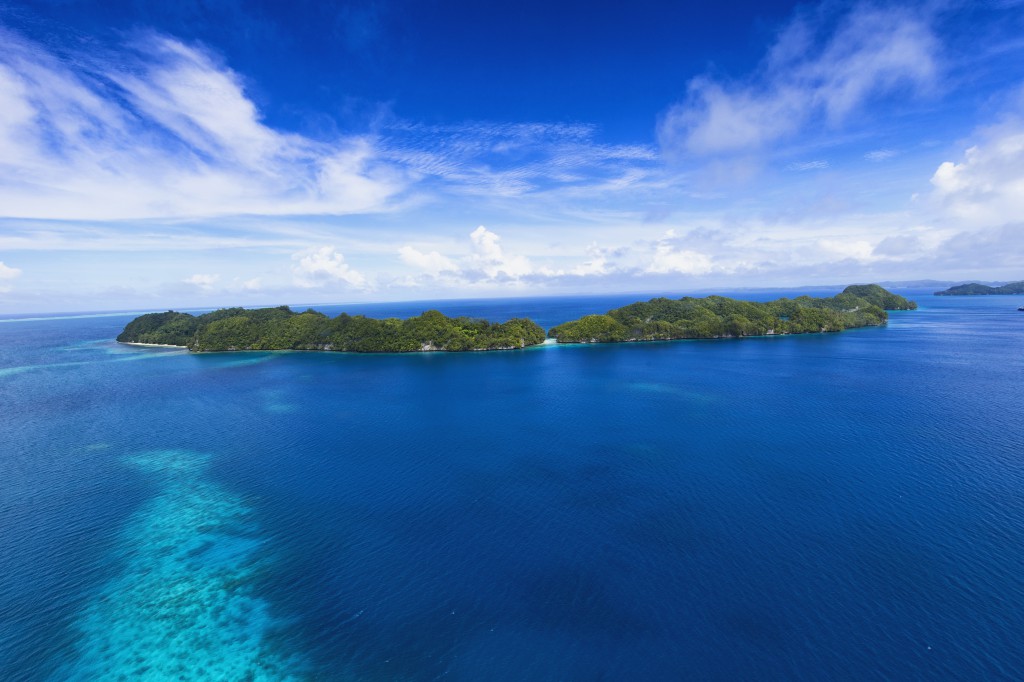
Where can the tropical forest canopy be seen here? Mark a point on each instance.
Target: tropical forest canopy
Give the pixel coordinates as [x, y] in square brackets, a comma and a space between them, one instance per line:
[860, 305]
[658, 319]
[284, 329]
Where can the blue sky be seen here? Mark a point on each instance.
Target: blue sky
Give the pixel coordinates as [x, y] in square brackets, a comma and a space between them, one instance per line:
[158, 155]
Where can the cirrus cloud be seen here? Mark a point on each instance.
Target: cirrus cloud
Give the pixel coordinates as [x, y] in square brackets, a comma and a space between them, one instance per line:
[810, 74]
[162, 130]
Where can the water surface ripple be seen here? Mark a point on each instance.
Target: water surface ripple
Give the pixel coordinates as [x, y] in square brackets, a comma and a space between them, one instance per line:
[841, 506]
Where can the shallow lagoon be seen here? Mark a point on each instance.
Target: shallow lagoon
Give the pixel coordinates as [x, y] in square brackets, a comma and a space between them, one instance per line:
[830, 506]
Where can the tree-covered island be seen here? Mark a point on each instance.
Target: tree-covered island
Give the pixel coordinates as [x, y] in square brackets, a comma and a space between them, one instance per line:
[281, 328]
[715, 317]
[975, 289]
[284, 329]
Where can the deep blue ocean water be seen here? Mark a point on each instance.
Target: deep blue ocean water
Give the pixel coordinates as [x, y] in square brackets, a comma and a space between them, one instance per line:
[840, 506]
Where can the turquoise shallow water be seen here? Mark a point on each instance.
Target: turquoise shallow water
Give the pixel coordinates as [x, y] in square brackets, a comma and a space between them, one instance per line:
[182, 602]
[845, 506]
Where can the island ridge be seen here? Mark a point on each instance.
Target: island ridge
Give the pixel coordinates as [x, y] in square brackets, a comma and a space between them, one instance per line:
[974, 289]
[662, 319]
[281, 328]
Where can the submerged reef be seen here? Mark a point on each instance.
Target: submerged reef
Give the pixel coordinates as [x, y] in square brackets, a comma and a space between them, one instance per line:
[283, 329]
[184, 603]
[860, 305]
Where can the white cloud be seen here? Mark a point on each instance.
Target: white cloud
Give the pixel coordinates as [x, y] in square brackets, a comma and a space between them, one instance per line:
[205, 106]
[487, 263]
[737, 250]
[432, 263]
[668, 258]
[167, 131]
[485, 245]
[870, 52]
[489, 258]
[716, 120]
[204, 282]
[986, 186]
[597, 264]
[7, 274]
[900, 247]
[857, 249]
[987, 252]
[163, 130]
[318, 267]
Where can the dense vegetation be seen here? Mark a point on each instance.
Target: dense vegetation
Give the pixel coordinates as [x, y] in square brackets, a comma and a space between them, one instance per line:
[658, 319]
[883, 298]
[283, 329]
[717, 317]
[982, 289]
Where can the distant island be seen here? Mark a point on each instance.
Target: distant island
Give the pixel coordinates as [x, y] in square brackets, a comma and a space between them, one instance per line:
[861, 305]
[982, 290]
[234, 329]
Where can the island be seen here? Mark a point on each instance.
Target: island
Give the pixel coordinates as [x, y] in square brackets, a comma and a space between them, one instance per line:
[975, 289]
[659, 319]
[281, 328]
[662, 319]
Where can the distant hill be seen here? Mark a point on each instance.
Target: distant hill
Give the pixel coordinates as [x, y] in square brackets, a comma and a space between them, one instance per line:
[974, 289]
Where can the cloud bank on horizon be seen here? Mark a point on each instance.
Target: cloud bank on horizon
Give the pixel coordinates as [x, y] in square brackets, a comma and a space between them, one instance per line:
[859, 143]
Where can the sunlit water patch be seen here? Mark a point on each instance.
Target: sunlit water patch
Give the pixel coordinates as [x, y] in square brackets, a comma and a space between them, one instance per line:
[11, 371]
[107, 356]
[232, 360]
[184, 605]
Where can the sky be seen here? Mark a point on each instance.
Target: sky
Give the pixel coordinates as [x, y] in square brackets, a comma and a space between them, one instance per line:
[159, 155]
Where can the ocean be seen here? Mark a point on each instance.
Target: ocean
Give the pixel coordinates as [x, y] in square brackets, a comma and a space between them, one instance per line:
[820, 507]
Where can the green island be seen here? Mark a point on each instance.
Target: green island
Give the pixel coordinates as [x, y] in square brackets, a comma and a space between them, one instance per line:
[282, 328]
[660, 319]
[974, 289]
